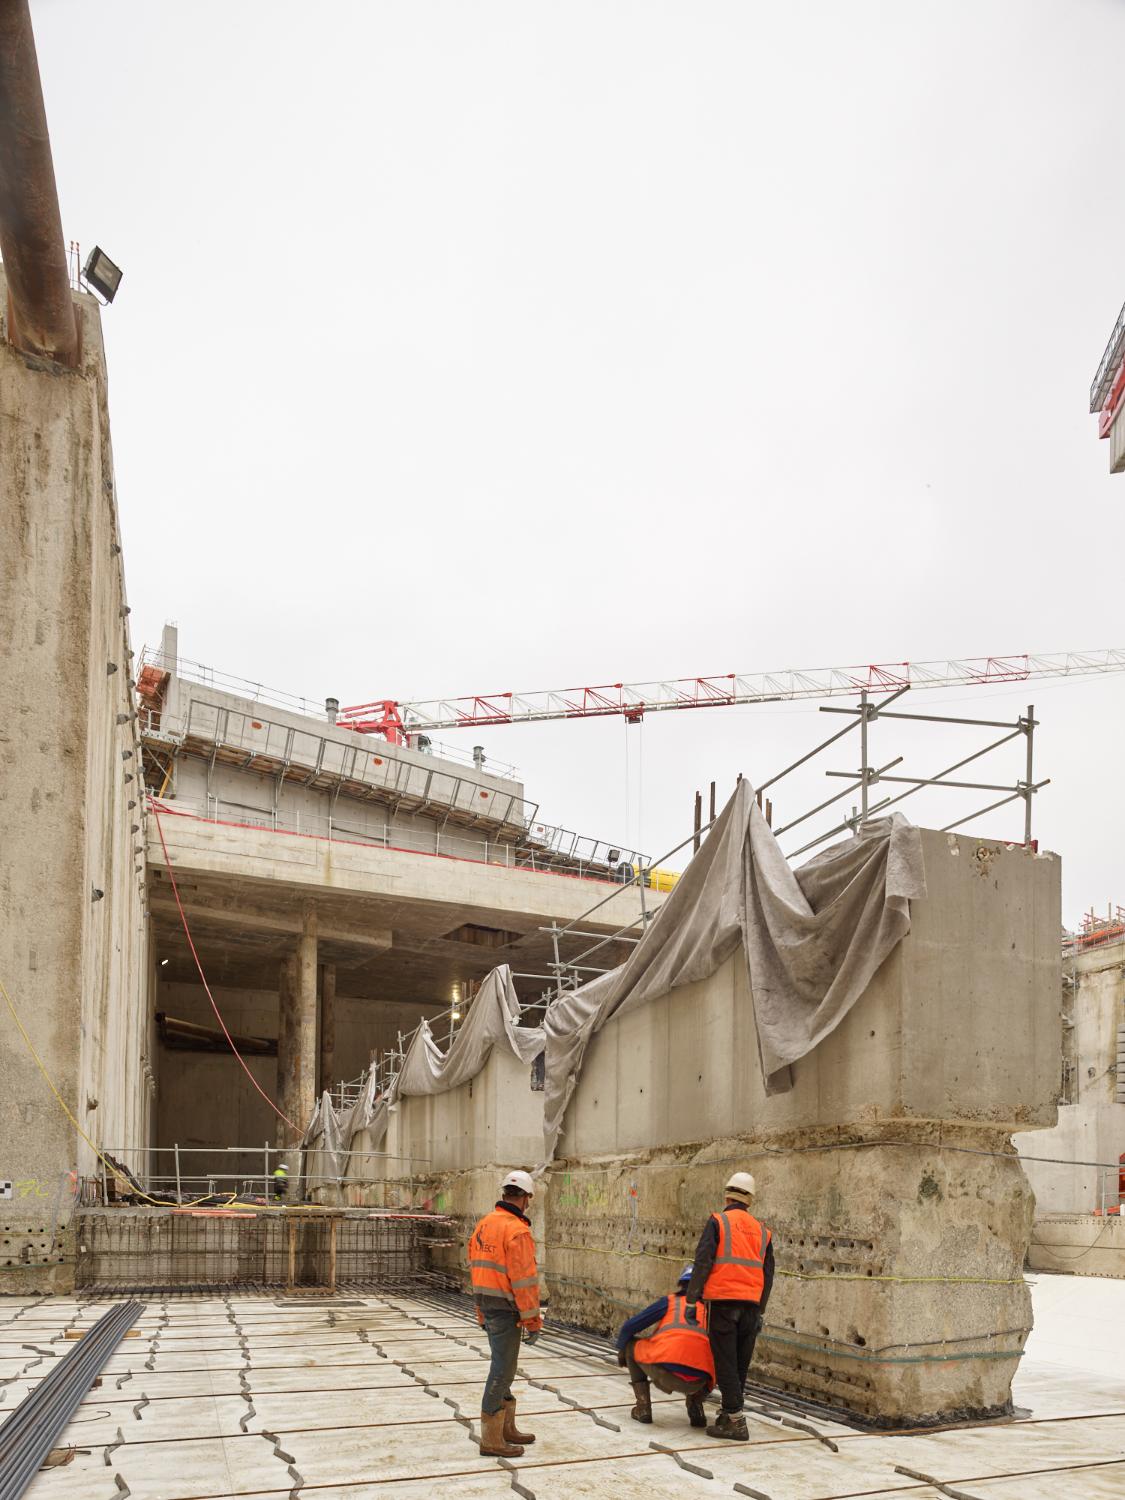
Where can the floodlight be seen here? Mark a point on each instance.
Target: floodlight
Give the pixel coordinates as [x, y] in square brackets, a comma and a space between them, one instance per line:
[102, 274]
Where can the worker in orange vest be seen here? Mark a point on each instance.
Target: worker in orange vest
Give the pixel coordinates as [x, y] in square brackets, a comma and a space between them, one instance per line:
[675, 1357]
[506, 1288]
[733, 1274]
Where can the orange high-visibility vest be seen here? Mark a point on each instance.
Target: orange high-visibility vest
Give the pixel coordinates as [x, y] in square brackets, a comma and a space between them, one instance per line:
[502, 1262]
[678, 1342]
[737, 1275]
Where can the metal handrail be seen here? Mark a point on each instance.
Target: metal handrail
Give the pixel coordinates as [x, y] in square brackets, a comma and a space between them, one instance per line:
[257, 692]
[1111, 359]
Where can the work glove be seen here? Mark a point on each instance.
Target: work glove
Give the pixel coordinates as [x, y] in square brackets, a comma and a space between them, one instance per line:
[532, 1336]
[621, 1359]
[689, 1312]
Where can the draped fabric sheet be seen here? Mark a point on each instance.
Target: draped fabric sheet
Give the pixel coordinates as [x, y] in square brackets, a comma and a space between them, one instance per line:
[813, 938]
[492, 1021]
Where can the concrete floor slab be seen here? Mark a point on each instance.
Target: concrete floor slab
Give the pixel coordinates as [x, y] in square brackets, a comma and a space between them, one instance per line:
[358, 1428]
[1093, 1483]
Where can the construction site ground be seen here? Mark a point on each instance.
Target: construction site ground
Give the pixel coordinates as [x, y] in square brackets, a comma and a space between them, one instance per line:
[367, 1397]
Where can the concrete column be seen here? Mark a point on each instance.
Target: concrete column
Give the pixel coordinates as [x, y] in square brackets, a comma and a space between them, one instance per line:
[287, 1059]
[305, 1017]
[327, 1026]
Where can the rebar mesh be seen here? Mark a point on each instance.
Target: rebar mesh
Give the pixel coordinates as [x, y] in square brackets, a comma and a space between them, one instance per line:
[155, 1249]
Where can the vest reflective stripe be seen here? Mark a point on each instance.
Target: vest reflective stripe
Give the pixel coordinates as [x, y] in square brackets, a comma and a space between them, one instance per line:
[501, 1244]
[737, 1275]
[678, 1342]
[489, 1265]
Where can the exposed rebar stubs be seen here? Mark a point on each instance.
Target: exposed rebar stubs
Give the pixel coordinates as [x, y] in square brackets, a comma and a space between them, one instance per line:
[41, 317]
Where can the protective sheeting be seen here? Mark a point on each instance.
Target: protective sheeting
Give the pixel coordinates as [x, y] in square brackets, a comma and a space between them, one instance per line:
[492, 1021]
[332, 1134]
[813, 939]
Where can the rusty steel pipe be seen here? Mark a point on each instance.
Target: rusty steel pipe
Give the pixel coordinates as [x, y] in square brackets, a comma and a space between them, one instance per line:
[41, 311]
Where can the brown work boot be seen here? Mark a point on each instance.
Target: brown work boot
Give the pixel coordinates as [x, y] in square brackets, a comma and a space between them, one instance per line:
[696, 1415]
[492, 1442]
[511, 1433]
[730, 1424]
[642, 1410]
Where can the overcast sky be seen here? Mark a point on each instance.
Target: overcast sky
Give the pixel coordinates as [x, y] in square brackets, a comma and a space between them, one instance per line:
[469, 347]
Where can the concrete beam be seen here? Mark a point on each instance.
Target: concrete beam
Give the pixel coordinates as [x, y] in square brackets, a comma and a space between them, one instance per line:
[378, 938]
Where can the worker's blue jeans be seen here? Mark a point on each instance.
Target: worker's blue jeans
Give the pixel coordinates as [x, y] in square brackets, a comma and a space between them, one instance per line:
[503, 1329]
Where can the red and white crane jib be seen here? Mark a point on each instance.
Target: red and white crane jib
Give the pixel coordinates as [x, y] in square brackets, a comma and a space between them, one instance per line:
[397, 721]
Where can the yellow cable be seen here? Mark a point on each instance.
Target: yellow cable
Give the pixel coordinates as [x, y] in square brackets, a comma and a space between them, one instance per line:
[120, 1176]
[802, 1275]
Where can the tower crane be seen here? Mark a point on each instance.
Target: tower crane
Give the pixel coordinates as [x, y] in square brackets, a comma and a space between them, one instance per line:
[396, 721]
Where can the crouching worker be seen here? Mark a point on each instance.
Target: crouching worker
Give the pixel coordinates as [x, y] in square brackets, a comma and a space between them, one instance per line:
[675, 1357]
[506, 1288]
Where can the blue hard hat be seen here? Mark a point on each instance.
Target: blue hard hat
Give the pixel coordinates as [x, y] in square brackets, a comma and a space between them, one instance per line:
[685, 1274]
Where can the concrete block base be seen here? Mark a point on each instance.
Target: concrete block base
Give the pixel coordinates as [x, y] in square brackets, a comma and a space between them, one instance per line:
[899, 1294]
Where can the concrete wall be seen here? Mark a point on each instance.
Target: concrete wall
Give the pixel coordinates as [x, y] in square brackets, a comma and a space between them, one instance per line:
[205, 1098]
[1072, 1183]
[496, 1119]
[1079, 1244]
[239, 796]
[901, 1215]
[960, 1023]
[1091, 1124]
[366, 870]
[76, 966]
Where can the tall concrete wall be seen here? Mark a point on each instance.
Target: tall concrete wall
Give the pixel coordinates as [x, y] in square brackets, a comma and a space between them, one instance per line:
[205, 1099]
[494, 1119]
[901, 1214]
[1091, 1122]
[74, 963]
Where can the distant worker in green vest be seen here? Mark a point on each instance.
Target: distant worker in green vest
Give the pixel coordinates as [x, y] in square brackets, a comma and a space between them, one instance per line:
[280, 1181]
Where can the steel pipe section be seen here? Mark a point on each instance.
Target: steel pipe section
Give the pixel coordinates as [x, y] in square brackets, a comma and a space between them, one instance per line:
[41, 311]
[31, 1431]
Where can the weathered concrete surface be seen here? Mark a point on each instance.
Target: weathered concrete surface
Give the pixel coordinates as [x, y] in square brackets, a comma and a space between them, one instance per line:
[71, 812]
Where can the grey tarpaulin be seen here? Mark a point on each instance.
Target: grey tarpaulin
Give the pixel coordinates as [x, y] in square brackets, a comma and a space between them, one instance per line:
[812, 937]
[331, 1134]
[493, 1021]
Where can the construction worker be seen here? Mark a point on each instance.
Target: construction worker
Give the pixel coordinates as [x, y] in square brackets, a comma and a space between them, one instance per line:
[733, 1274]
[676, 1357]
[280, 1181]
[506, 1288]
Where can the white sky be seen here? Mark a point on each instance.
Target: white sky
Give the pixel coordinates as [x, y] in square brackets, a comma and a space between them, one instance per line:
[470, 347]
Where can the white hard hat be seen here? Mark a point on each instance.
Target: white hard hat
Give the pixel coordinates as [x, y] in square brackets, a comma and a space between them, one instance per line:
[521, 1181]
[741, 1183]
[281, 1167]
